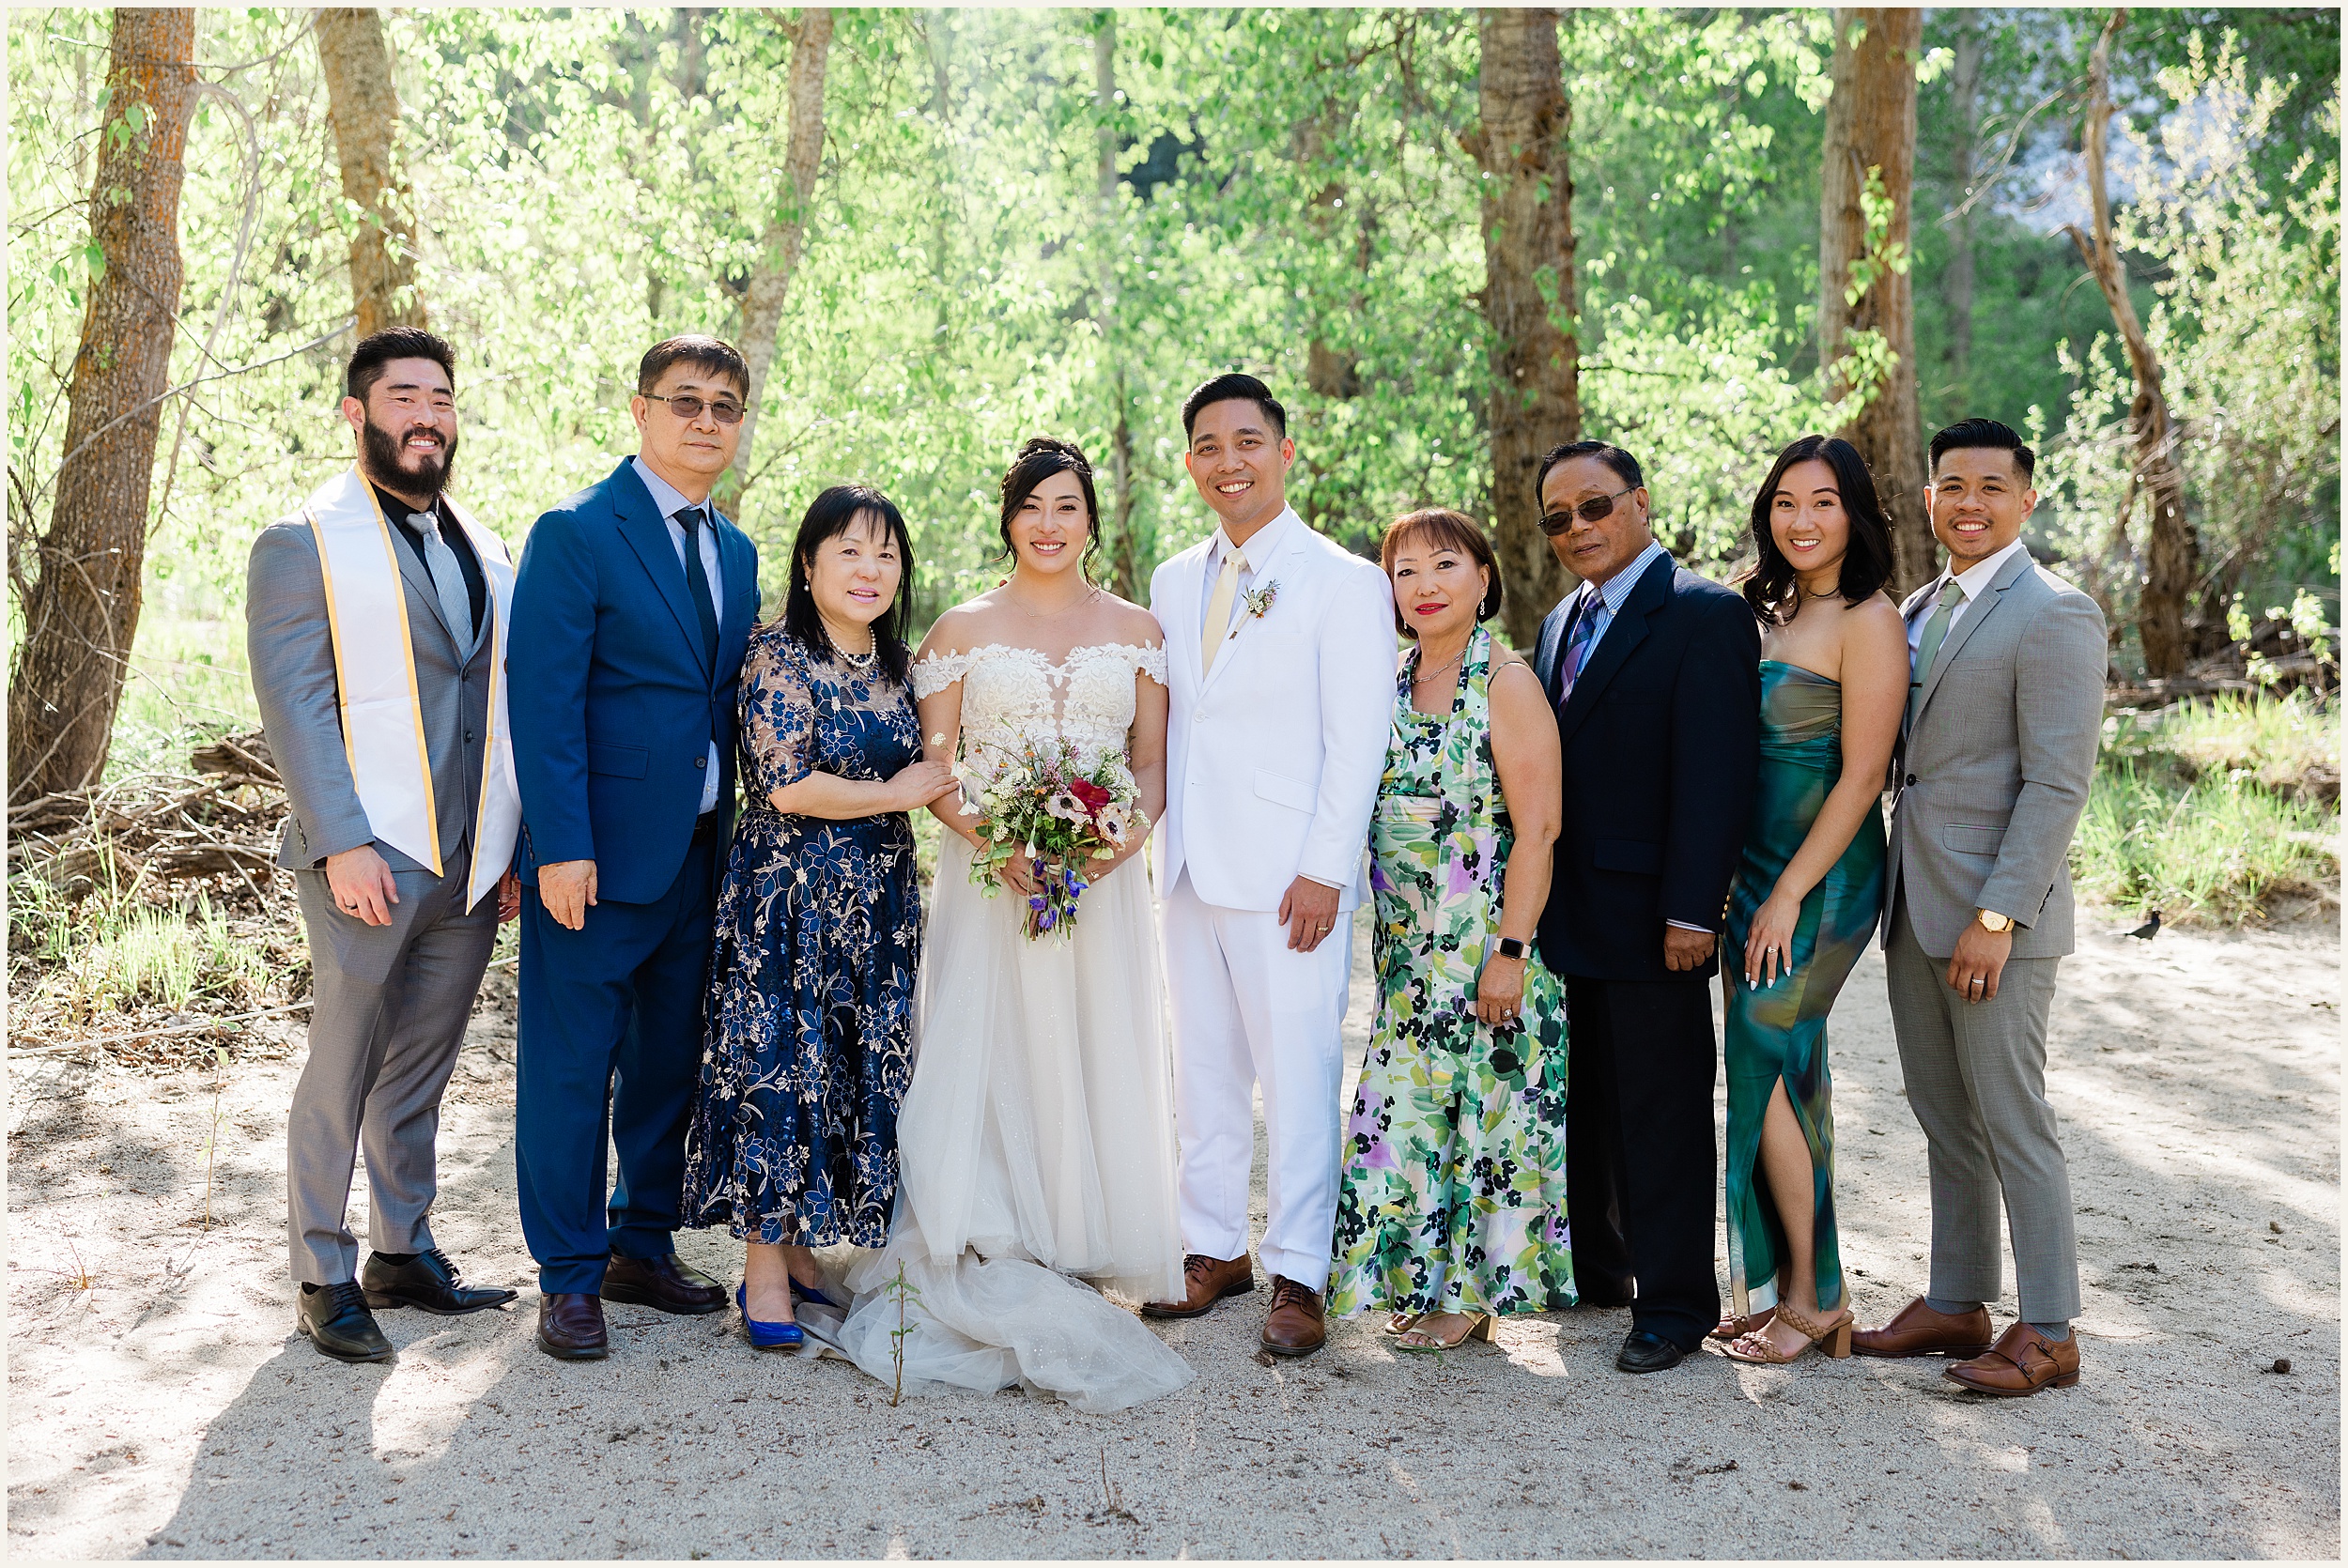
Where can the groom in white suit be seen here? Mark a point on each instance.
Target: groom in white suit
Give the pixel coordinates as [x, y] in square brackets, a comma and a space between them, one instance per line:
[1280, 649]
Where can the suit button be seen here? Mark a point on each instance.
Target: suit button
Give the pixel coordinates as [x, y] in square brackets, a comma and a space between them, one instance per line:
[1911, 778]
[702, 762]
[469, 734]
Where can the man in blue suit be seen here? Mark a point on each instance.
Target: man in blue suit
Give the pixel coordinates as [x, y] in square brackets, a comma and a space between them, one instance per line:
[1655, 674]
[631, 607]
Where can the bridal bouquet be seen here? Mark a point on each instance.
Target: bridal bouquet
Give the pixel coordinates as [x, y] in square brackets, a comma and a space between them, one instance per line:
[1061, 811]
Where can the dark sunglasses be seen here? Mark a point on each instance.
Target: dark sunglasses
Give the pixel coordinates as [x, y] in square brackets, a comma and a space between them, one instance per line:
[684, 405]
[1596, 510]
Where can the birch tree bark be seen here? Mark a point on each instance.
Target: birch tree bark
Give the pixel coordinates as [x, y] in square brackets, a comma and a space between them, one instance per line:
[363, 107]
[81, 607]
[785, 236]
[1121, 548]
[1867, 306]
[2172, 554]
[1520, 141]
[1965, 86]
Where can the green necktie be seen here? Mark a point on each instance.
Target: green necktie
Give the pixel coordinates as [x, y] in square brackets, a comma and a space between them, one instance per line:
[1935, 631]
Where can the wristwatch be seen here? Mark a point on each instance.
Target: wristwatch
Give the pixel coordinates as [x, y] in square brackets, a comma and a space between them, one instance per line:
[1994, 923]
[1511, 948]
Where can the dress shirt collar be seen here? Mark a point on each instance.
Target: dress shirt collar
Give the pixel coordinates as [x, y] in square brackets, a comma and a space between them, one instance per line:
[1975, 580]
[1261, 545]
[1617, 588]
[664, 495]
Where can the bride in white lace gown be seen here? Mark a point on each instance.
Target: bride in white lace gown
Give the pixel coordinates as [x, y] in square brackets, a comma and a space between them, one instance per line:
[1036, 1144]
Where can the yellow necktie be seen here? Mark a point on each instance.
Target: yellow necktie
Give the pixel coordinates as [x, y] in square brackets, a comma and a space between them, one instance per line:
[1219, 628]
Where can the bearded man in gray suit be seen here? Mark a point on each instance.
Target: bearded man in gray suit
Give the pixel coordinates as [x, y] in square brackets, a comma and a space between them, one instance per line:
[2005, 707]
[374, 629]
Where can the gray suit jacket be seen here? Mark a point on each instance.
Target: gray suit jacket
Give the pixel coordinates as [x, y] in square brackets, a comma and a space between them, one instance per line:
[1993, 774]
[291, 653]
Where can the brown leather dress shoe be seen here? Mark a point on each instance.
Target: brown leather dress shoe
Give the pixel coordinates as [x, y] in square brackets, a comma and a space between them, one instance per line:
[1294, 1326]
[2021, 1362]
[1206, 1281]
[570, 1327]
[1916, 1329]
[666, 1283]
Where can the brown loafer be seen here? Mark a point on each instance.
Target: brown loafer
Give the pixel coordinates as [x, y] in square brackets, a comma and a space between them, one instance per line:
[1295, 1326]
[570, 1327]
[1206, 1281]
[2021, 1362]
[1916, 1329]
[666, 1283]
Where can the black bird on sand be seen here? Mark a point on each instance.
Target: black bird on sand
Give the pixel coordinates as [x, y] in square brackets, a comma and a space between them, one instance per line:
[2149, 929]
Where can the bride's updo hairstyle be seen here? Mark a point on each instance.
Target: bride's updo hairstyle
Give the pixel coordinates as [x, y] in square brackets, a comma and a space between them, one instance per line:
[1039, 457]
[833, 513]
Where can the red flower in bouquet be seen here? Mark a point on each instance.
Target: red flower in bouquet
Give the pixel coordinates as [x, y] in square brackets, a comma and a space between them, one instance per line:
[1093, 796]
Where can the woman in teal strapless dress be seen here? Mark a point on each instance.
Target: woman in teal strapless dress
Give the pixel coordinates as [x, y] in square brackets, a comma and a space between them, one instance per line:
[1810, 886]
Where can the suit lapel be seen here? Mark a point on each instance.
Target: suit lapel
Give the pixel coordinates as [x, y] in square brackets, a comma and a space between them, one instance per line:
[1182, 634]
[421, 589]
[1963, 631]
[1235, 638]
[1627, 631]
[738, 561]
[647, 534]
[1545, 646]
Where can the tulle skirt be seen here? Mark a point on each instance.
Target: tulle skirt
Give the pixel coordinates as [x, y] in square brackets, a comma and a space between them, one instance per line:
[1037, 1151]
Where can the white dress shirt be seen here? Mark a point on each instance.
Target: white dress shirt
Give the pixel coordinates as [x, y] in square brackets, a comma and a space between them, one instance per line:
[1975, 580]
[671, 500]
[1609, 596]
[1259, 546]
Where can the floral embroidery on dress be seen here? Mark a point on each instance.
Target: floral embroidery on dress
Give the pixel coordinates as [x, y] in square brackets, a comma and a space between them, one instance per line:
[1453, 1191]
[808, 1047]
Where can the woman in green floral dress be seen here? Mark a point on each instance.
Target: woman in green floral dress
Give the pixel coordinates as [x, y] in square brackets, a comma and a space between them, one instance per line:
[1452, 1209]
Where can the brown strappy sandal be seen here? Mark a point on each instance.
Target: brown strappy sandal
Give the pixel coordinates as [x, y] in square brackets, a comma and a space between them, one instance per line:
[1757, 1348]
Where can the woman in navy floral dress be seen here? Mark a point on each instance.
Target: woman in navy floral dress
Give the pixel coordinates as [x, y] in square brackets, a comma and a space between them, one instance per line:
[810, 1043]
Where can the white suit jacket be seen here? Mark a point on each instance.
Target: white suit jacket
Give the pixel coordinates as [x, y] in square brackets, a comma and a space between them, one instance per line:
[1272, 760]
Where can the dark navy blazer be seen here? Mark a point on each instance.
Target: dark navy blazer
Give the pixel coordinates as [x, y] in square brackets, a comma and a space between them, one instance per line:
[613, 703]
[1663, 755]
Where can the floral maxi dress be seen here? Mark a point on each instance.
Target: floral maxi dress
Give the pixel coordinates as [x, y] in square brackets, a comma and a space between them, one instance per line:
[808, 1047]
[1453, 1193]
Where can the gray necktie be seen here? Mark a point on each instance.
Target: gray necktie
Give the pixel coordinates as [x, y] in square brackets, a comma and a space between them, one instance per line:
[1928, 646]
[448, 579]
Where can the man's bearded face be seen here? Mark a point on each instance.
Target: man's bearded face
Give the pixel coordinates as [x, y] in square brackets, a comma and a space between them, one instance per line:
[418, 449]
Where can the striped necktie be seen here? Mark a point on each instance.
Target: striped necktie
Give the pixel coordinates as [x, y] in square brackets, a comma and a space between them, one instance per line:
[1580, 637]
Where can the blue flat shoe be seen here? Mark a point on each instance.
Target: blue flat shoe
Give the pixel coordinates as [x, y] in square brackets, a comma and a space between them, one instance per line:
[767, 1336]
[808, 1293]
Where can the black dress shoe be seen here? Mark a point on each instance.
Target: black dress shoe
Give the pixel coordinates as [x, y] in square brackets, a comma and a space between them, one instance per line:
[665, 1284]
[428, 1280]
[336, 1319]
[570, 1327]
[1645, 1352]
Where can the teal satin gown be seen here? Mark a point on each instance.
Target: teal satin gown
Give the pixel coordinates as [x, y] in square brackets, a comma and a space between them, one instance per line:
[1778, 1031]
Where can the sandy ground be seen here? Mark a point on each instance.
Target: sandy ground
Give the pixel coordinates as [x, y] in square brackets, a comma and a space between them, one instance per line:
[168, 1409]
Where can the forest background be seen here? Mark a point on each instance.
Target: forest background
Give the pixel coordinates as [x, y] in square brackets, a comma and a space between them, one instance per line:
[1449, 238]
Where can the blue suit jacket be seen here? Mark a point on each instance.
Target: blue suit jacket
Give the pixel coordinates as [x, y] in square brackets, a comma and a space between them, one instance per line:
[612, 702]
[1663, 755]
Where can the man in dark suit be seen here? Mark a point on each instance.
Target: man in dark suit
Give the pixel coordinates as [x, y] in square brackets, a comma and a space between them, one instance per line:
[630, 610]
[1655, 674]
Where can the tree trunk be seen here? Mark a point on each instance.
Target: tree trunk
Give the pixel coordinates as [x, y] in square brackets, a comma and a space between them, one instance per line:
[786, 230]
[2173, 555]
[1965, 84]
[362, 104]
[1120, 547]
[1871, 142]
[82, 610]
[1521, 142]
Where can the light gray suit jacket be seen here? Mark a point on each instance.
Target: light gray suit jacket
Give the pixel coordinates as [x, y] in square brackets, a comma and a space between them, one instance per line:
[291, 653]
[1993, 774]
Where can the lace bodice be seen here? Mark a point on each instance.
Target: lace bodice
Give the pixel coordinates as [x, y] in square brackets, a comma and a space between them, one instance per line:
[1011, 696]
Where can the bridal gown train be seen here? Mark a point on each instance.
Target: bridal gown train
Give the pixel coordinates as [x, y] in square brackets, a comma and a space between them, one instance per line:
[1036, 1144]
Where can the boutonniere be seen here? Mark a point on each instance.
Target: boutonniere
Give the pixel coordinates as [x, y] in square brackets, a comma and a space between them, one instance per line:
[1258, 600]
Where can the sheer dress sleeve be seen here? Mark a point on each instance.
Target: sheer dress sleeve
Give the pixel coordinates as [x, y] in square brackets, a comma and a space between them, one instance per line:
[778, 713]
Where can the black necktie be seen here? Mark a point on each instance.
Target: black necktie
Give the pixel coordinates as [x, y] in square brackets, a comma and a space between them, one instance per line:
[691, 520]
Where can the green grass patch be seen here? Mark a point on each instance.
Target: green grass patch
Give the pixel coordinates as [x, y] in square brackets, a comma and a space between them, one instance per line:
[2213, 812]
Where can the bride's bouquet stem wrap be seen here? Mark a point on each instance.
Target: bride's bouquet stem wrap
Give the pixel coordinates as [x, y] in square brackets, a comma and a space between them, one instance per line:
[1063, 811]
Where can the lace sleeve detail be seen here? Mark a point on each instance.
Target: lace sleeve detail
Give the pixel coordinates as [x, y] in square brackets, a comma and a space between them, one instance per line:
[777, 715]
[936, 672]
[1150, 662]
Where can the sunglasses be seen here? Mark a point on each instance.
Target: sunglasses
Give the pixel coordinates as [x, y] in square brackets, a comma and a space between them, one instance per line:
[684, 405]
[1596, 510]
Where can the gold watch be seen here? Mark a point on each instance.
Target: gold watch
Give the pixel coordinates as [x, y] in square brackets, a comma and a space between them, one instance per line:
[1996, 924]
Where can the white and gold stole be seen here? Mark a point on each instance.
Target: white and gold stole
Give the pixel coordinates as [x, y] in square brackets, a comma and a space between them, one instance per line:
[375, 677]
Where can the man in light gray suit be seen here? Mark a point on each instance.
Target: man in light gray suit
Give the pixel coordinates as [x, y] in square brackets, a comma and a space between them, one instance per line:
[2004, 710]
[397, 945]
